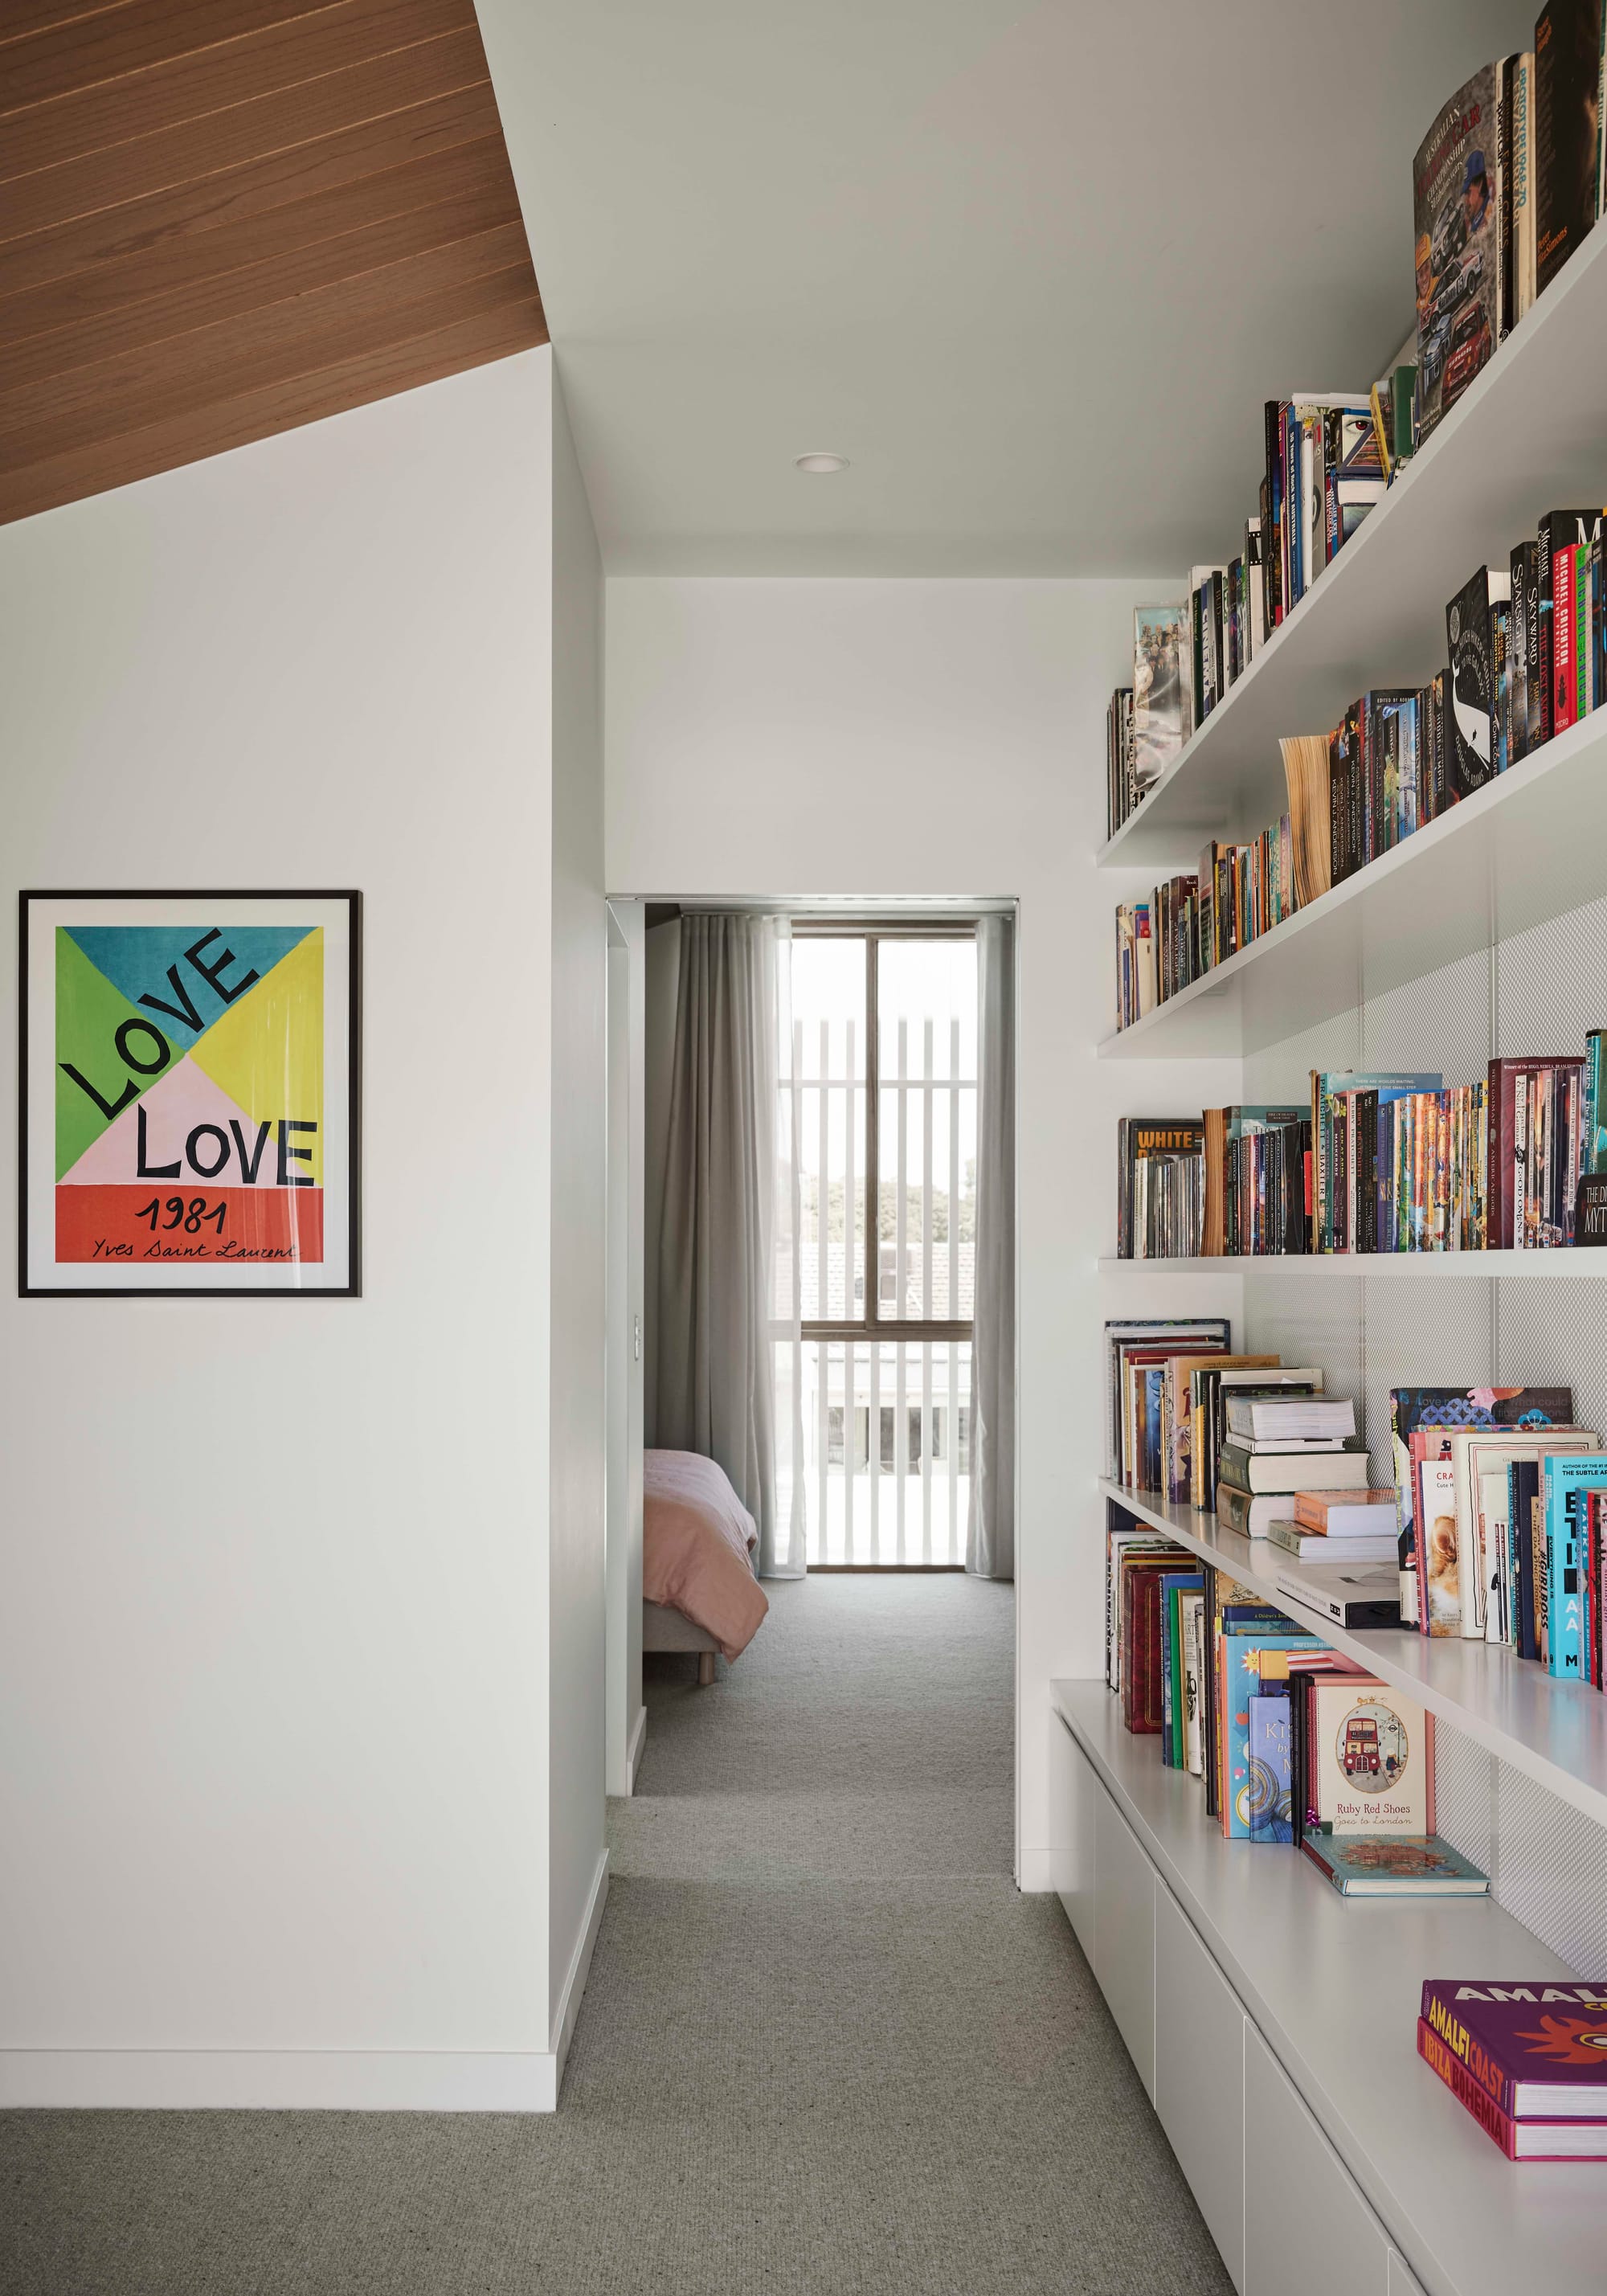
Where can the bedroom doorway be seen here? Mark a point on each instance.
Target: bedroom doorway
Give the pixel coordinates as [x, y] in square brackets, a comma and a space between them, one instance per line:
[879, 1106]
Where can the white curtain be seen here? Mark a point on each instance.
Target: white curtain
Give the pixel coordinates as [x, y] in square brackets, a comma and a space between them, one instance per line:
[990, 1531]
[728, 1355]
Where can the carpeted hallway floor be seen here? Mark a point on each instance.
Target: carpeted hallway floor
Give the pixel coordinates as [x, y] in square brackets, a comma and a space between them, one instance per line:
[826, 2046]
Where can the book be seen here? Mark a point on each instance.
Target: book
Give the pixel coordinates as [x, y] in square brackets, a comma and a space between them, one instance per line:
[1362, 1594]
[1315, 1545]
[1290, 1472]
[1170, 1333]
[1192, 1609]
[1268, 1796]
[1470, 678]
[1538, 2048]
[1158, 698]
[1565, 1485]
[1395, 1866]
[1248, 1513]
[1305, 767]
[1371, 1760]
[1273, 1417]
[1532, 1159]
[1456, 215]
[1160, 1188]
[1523, 207]
[1353, 1511]
[1253, 1657]
[1560, 531]
[1568, 78]
[1520, 2140]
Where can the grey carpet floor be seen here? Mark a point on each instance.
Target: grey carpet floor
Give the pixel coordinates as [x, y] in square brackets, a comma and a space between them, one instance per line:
[826, 2048]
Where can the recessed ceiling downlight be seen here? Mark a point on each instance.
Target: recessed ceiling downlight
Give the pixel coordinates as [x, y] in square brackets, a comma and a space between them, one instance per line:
[820, 465]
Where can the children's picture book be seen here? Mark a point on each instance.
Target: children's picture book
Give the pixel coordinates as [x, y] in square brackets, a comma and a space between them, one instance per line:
[1268, 1796]
[1373, 1767]
[1395, 1866]
[1251, 1661]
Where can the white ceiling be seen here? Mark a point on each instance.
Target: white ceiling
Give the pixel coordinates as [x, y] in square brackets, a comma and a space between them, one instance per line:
[1034, 270]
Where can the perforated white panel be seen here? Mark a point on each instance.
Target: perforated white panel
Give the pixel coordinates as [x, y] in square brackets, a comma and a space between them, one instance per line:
[1538, 991]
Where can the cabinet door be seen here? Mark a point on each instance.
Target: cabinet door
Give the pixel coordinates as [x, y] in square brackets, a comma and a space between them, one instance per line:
[1299, 2201]
[1402, 2282]
[1075, 1794]
[1124, 1932]
[1200, 2076]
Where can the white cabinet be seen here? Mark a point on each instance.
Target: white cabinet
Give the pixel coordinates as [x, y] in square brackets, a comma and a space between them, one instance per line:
[1075, 1794]
[1402, 2282]
[1124, 1932]
[1305, 2222]
[1200, 2076]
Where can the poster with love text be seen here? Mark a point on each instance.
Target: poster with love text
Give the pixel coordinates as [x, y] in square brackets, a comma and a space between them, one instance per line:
[190, 1099]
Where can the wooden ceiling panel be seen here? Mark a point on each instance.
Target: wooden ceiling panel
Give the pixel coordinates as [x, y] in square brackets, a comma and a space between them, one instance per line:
[222, 217]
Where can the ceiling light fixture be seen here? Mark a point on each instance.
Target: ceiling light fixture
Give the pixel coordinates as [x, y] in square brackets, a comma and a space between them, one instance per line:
[820, 465]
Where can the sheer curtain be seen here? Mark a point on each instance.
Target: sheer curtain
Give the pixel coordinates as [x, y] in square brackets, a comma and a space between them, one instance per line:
[990, 1532]
[728, 1355]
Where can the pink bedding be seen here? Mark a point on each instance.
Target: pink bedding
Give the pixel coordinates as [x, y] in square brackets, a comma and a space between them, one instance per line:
[696, 1537]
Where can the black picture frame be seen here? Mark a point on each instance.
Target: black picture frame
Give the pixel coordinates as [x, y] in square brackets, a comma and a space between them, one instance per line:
[352, 1289]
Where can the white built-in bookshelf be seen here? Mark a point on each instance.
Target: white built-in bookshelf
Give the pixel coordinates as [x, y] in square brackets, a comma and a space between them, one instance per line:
[1484, 933]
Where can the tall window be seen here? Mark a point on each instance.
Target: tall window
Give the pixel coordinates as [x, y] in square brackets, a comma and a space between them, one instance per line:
[881, 1107]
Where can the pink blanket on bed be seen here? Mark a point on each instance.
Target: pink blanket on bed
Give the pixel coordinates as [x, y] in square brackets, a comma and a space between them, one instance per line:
[696, 1537]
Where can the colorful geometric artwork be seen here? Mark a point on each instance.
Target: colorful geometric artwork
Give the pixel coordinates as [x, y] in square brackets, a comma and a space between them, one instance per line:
[189, 1113]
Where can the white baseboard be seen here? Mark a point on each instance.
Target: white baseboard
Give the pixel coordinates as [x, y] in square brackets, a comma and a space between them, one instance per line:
[633, 1753]
[574, 1984]
[288, 2080]
[1034, 1878]
[314, 2080]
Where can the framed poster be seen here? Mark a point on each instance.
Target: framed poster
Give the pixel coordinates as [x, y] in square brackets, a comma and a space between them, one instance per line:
[189, 1107]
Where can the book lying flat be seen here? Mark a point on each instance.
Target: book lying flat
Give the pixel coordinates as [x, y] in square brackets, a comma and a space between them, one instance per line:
[1290, 1472]
[1520, 2140]
[1323, 1546]
[1268, 1416]
[1349, 1511]
[1394, 1866]
[1538, 2047]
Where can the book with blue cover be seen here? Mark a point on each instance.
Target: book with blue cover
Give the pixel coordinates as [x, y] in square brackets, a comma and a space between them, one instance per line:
[1252, 1660]
[1269, 1801]
[1564, 1483]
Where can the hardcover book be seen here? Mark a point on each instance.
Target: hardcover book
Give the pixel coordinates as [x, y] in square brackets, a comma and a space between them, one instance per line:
[1372, 1770]
[1456, 211]
[1568, 78]
[1395, 1866]
[1414, 1407]
[1535, 2047]
[1520, 2140]
[1159, 689]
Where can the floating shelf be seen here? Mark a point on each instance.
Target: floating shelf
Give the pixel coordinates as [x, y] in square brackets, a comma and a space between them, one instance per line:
[1322, 1266]
[1333, 1987]
[1529, 846]
[1527, 436]
[1555, 1732]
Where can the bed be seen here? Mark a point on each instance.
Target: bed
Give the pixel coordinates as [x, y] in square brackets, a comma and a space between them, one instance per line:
[699, 1592]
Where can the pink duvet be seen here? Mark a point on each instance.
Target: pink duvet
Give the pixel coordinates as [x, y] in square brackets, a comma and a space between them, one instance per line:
[696, 1537]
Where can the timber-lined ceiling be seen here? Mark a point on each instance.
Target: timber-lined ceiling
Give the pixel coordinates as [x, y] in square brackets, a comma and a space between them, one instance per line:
[220, 219]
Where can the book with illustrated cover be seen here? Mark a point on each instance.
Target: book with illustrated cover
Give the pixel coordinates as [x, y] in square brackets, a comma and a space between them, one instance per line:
[1567, 101]
[1561, 530]
[1395, 1866]
[1470, 679]
[1456, 220]
[1161, 700]
[1267, 1799]
[1537, 2047]
[1252, 1660]
[1565, 1486]
[1371, 1760]
[1415, 1408]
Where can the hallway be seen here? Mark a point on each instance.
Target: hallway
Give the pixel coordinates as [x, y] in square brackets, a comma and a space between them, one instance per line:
[826, 2048]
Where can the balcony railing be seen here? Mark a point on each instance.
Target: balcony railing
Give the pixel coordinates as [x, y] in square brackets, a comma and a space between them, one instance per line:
[886, 1460]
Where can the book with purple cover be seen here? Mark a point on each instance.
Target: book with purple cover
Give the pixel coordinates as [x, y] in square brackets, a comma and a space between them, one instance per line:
[1537, 2049]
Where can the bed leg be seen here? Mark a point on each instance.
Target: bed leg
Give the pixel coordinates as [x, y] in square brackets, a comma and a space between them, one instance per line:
[705, 1668]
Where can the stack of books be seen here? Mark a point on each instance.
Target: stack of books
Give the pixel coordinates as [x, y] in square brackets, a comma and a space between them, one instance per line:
[1277, 1446]
[1527, 2059]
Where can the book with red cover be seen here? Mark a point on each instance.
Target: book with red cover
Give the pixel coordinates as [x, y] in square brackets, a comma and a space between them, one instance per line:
[1520, 2140]
[1536, 2048]
[1141, 1683]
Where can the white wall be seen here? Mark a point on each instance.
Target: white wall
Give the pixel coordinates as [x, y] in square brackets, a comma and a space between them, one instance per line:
[663, 970]
[947, 740]
[276, 1604]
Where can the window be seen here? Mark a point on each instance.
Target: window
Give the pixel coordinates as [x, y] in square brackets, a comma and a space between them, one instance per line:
[881, 1111]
